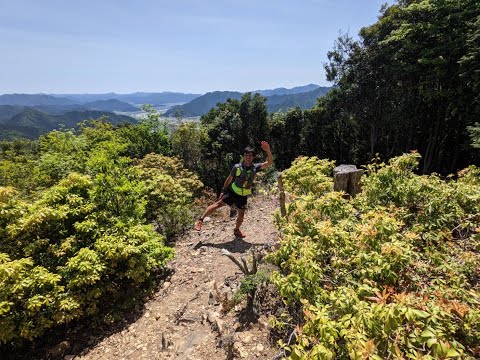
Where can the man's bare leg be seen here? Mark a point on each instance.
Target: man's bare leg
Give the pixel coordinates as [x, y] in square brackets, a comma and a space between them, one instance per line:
[240, 216]
[209, 210]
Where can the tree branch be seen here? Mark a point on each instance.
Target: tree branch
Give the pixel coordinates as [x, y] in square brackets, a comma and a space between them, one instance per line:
[235, 260]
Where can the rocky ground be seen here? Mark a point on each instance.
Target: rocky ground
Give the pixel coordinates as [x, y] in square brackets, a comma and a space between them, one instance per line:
[189, 317]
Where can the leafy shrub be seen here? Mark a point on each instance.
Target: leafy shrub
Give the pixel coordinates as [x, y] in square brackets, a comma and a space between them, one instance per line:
[32, 299]
[149, 135]
[249, 285]
[188, 143]
[62, 152]
[170, 190]
[65, 253]
[391, 274]
[308, 175]
[73, 223]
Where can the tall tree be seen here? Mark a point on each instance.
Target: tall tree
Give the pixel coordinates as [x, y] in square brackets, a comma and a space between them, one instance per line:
[403, 81]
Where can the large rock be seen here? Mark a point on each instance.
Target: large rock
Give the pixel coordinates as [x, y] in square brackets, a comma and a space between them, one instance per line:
[59, 349]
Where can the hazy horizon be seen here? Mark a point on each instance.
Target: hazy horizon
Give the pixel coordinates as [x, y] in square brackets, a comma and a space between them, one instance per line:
[161, 91]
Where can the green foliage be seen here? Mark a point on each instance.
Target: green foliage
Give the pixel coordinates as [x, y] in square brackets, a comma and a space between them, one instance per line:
[327, 129]
[76, 250]
[188, 143]
[411, 81]
[392, 273]
[18, 166]
[309, 175]
[149, 135]
[32, 299]
[62, 153]
[249, 284]
[170, 190]
[285, 136]
[475, 135]
[74, 222]
[117, 191]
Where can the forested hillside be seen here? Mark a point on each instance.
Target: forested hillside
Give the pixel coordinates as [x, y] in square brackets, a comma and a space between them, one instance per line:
[110, 105]
[202, 104]
[306, 100]
[280, 99]
[30, 122]
[284, 91]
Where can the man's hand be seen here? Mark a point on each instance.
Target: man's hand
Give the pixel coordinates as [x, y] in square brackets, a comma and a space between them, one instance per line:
[265, 146]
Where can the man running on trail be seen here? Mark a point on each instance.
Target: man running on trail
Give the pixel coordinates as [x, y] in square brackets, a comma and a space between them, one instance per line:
[238, 186]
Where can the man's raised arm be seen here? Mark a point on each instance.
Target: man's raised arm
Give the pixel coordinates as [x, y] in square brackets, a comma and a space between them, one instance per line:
[269, 162]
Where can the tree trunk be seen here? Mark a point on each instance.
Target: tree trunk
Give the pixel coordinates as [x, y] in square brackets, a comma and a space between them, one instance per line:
[432, 147]
[283, 210]
[373, 139]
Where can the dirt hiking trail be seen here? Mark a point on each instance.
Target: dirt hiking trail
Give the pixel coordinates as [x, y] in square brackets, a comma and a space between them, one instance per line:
[185, 318]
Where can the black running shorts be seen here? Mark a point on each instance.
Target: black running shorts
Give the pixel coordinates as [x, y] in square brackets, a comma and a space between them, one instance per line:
[231, 198]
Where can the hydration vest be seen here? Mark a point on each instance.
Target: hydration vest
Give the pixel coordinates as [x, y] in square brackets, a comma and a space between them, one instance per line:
[245, 188]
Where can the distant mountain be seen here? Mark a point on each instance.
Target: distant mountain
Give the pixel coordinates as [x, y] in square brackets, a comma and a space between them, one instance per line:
[158, 98]
[55, 106]
[110, 105]
[305, 100]
[9, 111]
[202, 104]
[33, 100]
[60, 109]
[32, 118]
[11, 135]
[134, 98]
[75, 117]
[84, 98]
[284, 91]
[31, 123]
[279, 99]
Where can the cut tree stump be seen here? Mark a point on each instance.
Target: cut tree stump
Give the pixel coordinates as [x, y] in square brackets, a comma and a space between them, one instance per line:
[347, 178]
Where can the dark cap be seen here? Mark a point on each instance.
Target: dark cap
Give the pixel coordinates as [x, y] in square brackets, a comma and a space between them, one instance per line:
[249, 149]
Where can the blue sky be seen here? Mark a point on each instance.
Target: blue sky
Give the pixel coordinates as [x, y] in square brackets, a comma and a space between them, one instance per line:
[53, 46]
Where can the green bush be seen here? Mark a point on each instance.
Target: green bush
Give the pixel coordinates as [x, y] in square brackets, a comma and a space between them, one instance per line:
[75, 222]
[65, 253]
[309, 175]
[392, 273]
[170, 190]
